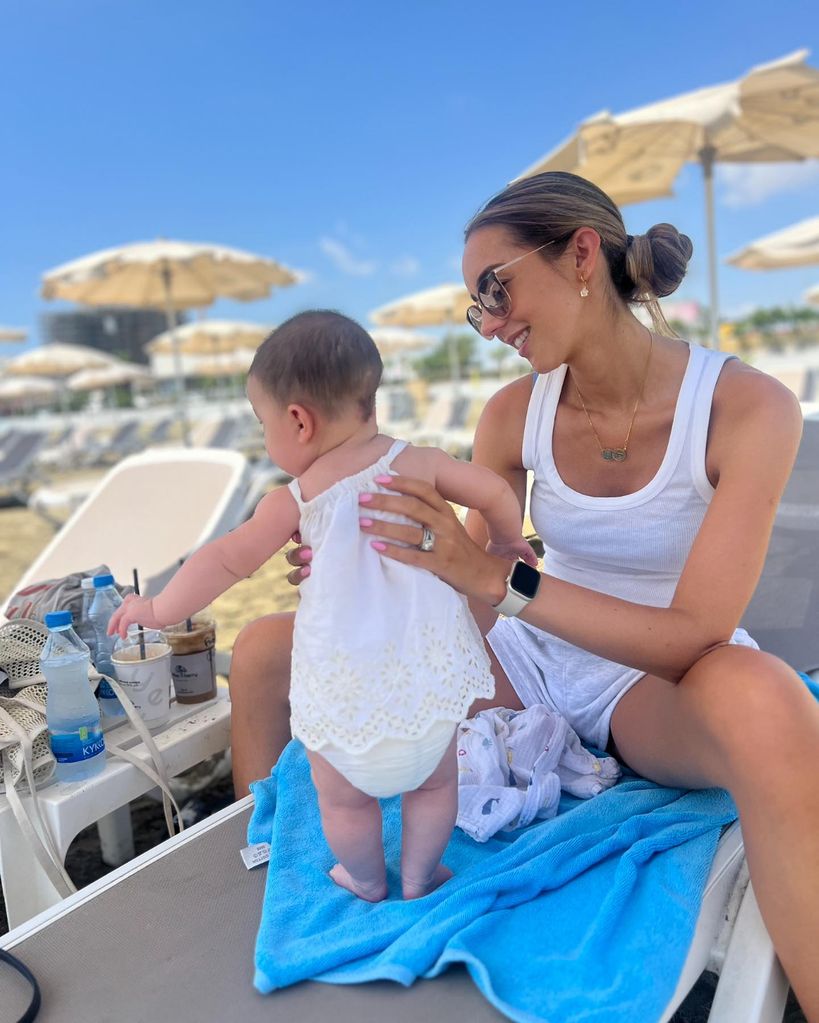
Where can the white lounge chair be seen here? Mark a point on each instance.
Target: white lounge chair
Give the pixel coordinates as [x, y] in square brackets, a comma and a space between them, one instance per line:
[146, 513]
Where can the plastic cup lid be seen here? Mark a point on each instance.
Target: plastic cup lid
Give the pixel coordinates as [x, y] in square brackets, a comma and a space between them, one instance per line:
[54, 619]
[102, 580]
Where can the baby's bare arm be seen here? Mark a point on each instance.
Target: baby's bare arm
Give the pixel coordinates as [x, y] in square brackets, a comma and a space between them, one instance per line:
[475, 486]
[215, 567]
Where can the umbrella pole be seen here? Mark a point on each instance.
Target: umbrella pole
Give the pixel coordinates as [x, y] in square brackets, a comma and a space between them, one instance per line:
[707, 157]
[179, 378]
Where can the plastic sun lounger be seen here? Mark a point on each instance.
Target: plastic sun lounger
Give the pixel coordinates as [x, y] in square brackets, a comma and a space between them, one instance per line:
[18, 467]
[146, 513]
[191, 902]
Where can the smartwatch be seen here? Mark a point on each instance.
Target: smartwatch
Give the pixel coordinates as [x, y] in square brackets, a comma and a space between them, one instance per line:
[521, 586]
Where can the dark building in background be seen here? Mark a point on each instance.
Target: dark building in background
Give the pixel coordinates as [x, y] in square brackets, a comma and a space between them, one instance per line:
[117, 330]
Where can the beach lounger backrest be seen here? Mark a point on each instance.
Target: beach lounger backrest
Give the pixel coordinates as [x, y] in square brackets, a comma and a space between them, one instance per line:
[19, 454]
[783, 616]
[150, 510]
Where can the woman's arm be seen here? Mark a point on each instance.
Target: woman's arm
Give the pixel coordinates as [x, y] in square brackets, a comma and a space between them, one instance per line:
[755, 430]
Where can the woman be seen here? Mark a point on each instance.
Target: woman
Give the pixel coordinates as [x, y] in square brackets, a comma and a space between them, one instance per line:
[657, 469]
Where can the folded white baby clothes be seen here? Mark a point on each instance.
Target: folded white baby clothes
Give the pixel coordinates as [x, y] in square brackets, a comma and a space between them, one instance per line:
[513, 764]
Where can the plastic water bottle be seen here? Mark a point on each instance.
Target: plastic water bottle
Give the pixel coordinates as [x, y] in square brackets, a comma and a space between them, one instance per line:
[72, 714]
[105, 601]
[85, 627]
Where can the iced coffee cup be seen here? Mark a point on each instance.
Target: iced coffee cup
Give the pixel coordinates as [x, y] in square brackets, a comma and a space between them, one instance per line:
[193, 647]
[142, 663]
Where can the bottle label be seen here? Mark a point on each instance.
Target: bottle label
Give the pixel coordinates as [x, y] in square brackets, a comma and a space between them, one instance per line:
[105, 692]
[74, 747]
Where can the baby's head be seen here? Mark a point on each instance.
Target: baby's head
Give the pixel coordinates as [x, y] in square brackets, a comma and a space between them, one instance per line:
[318, 371]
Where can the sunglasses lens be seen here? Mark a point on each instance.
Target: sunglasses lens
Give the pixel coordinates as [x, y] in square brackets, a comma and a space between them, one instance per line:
[493, 296]
[473, 317]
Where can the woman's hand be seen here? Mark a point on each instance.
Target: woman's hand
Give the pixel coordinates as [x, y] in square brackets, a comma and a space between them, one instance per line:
[299, 557]
[454, 557]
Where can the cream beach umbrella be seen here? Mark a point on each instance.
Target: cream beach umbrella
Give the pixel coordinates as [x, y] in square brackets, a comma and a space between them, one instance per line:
[209, 337]
[398, 340]
[27, 391]
[812, 295]
[770, 115]
[56, 360]
[797, 245]
[167, 274]
[115, 375]
[434, 307]
[12, 335]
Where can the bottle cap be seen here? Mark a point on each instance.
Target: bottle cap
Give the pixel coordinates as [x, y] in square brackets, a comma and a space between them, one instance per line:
[54, 619]
[87, 582]
[103, 580]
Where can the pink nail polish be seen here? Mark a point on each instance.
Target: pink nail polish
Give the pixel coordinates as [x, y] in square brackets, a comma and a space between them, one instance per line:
[306, 555]
[378, 545]
[365, 498]
[366, 522]
[384, 479]
[305, 571]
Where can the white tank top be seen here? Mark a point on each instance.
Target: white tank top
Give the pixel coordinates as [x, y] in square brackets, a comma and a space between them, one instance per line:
[635, 546]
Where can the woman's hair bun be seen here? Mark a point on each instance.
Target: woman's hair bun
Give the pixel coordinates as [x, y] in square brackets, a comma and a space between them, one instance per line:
[657, 261]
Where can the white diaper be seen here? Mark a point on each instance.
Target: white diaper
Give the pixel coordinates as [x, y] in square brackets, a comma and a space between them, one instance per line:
[393, 766]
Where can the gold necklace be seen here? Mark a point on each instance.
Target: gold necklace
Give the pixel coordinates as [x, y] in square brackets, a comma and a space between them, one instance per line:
[618, 454]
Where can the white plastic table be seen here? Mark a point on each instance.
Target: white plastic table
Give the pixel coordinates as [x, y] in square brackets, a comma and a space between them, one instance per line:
[193, 733]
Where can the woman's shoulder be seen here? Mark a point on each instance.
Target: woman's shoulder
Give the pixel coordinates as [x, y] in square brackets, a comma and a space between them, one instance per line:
[748, 402]
[511, 398]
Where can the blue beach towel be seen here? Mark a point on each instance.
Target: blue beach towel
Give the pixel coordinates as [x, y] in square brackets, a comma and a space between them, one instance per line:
[586, 916]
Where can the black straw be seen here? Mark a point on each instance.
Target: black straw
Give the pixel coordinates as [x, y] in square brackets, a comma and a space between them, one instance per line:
[188, 622]
[141, 630]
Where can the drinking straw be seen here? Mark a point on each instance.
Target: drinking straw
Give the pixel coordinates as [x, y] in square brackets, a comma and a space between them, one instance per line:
[141, 631]
[188, 622]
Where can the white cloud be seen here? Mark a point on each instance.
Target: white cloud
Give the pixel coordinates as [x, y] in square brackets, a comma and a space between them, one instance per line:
[751, 184]
[406, 266]
[344, 260]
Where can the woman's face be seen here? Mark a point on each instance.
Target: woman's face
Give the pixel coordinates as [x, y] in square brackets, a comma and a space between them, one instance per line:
[544, 308]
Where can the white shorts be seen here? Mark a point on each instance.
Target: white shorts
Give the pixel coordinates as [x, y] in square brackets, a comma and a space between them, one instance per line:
[580, 686]
[393, 766]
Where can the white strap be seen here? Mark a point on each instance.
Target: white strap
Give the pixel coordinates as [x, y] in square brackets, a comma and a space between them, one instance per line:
[159, 776]
[36, 832]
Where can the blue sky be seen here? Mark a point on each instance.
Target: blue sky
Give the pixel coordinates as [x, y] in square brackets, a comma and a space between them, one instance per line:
[353, 141]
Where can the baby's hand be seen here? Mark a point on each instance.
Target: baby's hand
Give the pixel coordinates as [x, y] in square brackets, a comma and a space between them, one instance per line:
[513, 550]
[133, 609]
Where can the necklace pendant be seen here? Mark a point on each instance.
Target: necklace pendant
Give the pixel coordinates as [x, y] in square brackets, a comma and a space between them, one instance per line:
[614, 454]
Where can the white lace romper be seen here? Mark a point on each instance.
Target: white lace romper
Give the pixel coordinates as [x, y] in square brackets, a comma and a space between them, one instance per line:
[386, 657]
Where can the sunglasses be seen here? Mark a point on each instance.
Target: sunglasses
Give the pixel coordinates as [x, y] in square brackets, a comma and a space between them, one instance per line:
[492, 295]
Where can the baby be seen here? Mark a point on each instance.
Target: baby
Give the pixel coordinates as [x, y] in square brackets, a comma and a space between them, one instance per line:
[386, 657]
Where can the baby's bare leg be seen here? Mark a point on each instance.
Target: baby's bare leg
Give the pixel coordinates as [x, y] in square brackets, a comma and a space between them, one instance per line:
[428, 817]
[351, 821]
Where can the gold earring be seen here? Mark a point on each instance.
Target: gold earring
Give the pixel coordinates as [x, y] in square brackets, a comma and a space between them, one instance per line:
[584, 291]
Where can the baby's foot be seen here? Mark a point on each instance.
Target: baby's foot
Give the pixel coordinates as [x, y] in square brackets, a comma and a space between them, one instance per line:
[418, 889]
[372, 891]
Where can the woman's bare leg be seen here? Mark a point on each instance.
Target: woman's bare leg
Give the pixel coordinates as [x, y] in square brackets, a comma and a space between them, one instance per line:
[259, 696]
[741, 719]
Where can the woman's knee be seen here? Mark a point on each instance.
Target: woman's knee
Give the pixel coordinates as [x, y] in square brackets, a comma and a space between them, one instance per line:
[261, 654]
[746, 699]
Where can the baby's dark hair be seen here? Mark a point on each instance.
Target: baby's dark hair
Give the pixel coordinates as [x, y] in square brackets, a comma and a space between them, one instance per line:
[320, 358]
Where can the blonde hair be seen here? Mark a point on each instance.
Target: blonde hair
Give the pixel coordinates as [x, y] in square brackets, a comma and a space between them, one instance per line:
[550, 207]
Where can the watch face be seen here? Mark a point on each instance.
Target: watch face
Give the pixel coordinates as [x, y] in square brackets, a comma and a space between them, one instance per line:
[524, 580]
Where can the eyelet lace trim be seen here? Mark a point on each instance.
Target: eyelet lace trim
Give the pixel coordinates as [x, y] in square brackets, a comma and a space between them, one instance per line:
[354, 700]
